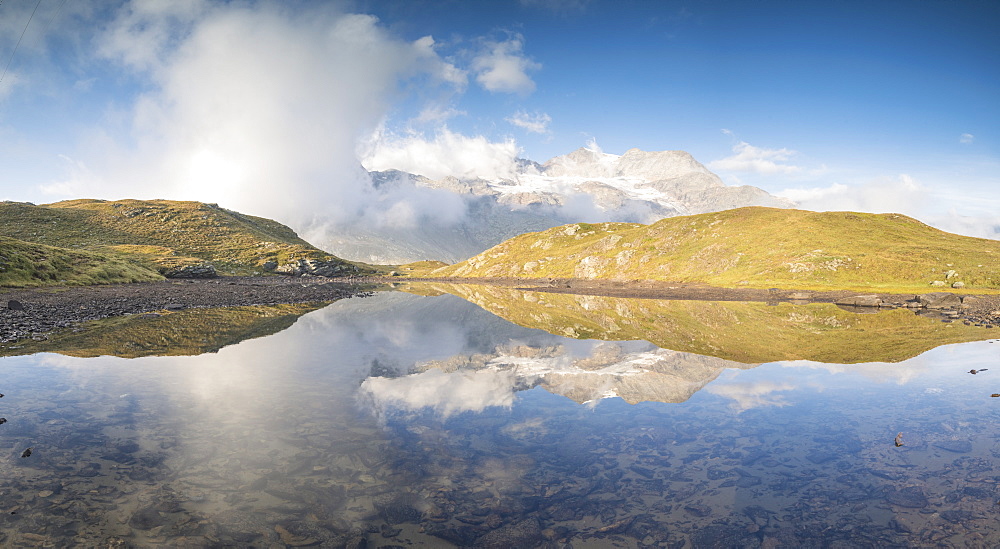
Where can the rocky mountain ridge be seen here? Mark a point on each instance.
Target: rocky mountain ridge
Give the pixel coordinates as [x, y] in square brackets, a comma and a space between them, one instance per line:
[585, 185]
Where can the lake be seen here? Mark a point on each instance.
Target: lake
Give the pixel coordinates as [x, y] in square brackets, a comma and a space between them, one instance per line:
[490, 417]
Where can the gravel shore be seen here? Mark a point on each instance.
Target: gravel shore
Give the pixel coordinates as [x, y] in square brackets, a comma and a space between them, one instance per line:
[28, 313]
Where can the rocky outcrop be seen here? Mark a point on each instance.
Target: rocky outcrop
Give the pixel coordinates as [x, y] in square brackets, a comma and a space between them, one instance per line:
[940, 300]
[204, 270]
[315, 267]
[861, 301]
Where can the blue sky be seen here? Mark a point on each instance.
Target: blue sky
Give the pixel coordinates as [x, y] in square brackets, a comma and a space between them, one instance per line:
[875, 106]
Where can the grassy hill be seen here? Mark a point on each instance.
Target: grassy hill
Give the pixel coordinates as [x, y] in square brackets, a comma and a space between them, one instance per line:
[751, 247]
[745, 332]
[152, 236]
[28, 264]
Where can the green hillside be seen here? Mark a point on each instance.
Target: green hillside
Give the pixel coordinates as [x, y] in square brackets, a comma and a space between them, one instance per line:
[156, 235]
[28, 264]
[748, 247]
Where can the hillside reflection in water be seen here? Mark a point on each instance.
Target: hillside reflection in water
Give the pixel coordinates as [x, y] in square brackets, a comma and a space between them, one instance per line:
[399, 420]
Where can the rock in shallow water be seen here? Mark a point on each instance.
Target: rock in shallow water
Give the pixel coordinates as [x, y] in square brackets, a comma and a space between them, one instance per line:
[146, 518]
[957, 446]
[911, 496]
[527, 533]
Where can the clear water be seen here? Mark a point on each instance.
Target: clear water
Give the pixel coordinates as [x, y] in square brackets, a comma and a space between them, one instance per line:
[399, 420]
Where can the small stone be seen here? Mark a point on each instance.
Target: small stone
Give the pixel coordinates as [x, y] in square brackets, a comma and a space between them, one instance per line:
[45, 493]
[26, 453]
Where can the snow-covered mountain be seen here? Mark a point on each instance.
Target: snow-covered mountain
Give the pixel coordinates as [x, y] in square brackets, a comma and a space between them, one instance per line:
[585, 185]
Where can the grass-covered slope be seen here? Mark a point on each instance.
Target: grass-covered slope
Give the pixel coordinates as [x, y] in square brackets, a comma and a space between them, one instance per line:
[159, 234]
[28, 264]
[753, 247]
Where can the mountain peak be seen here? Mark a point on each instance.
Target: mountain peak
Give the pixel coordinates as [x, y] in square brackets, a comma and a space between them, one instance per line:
[582, 162]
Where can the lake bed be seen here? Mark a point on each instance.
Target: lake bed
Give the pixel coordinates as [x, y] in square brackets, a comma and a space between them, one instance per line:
[402, 419]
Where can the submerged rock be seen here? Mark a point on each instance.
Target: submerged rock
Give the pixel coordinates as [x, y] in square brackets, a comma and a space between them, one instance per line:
[911, 496]
[957, 446]
[527, 533]
[146, 518]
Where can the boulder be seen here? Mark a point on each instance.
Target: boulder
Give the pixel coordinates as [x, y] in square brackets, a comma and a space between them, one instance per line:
[315, 267]
[204, 270]
[15, 305]
[971, 300]
[940, 300]
[860, 301]
[938, 283]
[958, 285]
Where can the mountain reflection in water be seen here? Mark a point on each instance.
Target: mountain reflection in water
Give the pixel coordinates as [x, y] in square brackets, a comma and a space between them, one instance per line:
[427, 421]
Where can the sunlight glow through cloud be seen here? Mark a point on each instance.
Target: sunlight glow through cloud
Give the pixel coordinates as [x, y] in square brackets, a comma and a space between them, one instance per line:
[258, 108]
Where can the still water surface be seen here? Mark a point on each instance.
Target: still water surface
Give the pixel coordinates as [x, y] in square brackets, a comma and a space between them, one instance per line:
[405, 420]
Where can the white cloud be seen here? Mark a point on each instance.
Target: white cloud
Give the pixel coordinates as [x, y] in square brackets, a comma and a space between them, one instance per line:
[899, 194]
[78, 177]
[443, 70]
[532, 123]
[748, 158]
[447, 154]
[144, 33]
[966, 138]
[502, 67]
[938, 206]
[257, 107]
[437, 113]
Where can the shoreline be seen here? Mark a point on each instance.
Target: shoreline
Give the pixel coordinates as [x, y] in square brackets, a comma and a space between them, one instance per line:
[653, 289]
[38, 311]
